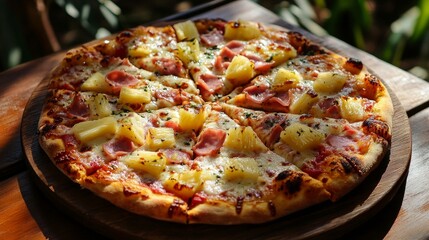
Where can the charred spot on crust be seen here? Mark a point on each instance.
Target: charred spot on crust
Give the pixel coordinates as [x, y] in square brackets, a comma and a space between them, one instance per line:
[354, 163]
[272, 208]
[283, 175]
[124, 36]
[46, 128]
[378, 127]
[292, 182]
[348, 168]
[174, 207]
[370, 87]
[239, 204]
[353, 65]
[304, 46]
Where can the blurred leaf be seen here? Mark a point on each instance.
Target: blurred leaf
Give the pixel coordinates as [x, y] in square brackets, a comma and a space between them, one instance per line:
[422, 24]
[306, 8]
[286, 15]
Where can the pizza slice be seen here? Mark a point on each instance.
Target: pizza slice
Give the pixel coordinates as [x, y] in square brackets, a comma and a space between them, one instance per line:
[223, 55]
[338, 153]
[149, 48]
[243, 179]
[323, 85]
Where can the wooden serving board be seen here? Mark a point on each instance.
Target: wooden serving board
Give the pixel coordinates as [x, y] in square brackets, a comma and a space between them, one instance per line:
[326, 220]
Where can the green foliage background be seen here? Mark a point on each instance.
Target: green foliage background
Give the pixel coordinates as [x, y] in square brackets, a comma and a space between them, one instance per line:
[393, 30]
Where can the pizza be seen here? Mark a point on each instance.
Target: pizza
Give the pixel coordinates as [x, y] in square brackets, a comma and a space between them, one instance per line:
[214, 122]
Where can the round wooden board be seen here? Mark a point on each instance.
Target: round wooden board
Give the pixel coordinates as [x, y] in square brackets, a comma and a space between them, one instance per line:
[326, 220]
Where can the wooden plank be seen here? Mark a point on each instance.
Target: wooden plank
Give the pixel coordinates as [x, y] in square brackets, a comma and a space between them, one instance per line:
[16, 86]
[15, 222]
[412, 221]
[28, 214]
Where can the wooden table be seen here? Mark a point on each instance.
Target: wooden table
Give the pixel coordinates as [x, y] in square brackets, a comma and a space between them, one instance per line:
[26, 213]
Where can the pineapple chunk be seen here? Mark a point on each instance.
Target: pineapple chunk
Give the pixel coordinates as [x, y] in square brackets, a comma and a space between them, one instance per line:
[146, 161]
[286, 79]
[303, 102]
[162, 137]
[100, 106]
[244, 139]
[239, 169]
[301, 137]
[132, 95]
[329, 82]
[242, 30]
[352, 109]
[189, 121]
[186, 30]
[240, 70]
[188, 51]
[140, 51]
[132, 127]
[282, 55]
[96, 83]
[88, 131]
[184, 184]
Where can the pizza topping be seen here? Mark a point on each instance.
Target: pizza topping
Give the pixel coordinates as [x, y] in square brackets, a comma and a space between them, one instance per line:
[329, 82]
[330, 107]
[209, 142]
[342, 142]
[191, 121]
[301, 137]
[242, 30]
[175, 156]
[235, 47]
[197, 199]
[186, 30]
[149, 162]
[283, 99]
[78, 107]
[241, 169]
[172, 96]
[89, 131]
[212, 38]
[117, 147]
[209, 84]
[160, 138]
[244, 139]
[117, 79]
[286, 79]
[258, 94]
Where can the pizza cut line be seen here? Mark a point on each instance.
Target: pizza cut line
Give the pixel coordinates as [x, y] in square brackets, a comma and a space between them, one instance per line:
[214, 122]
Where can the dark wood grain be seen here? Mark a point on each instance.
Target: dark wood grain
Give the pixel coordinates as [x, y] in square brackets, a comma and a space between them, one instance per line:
[324, 220]
[16, 87]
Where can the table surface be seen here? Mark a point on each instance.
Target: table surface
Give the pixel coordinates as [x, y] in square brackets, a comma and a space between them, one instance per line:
[26, 213]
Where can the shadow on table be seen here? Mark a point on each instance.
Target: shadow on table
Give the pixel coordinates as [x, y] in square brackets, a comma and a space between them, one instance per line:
[53, 223]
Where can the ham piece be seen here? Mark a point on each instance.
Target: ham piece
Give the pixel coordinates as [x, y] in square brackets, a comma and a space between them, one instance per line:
[209, 142]
[118, 147]
[117, 79]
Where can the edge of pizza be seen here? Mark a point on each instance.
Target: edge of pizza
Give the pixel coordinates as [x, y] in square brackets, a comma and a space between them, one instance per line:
[214, 122]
